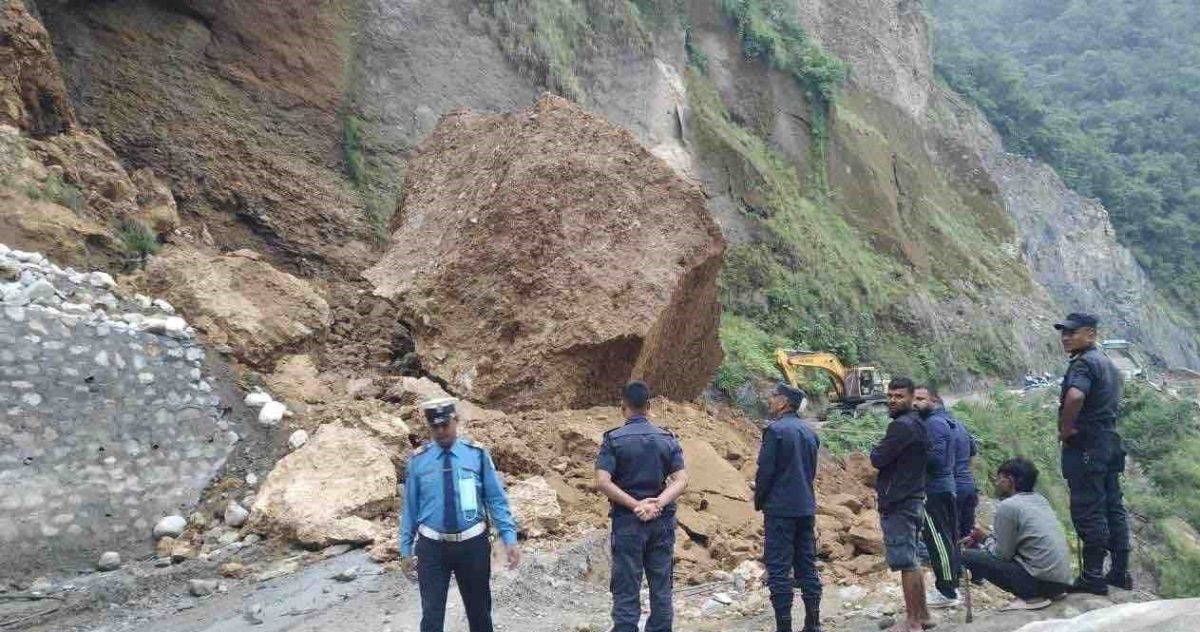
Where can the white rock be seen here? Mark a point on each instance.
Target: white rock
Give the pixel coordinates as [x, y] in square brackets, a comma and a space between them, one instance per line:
[235, 515]
[40, 290]
[271, 413]
[75, 308]
[251, 481]
[163, 306]
[347, 575]
[109, 561]
[26, 257]
[298, 439]
[4, 250]
[175, 327]
[170, 527]
[155, 325]
[142, 301]
[108, 302]
[257, 399]
[134, 318]
[101, 280]
[723, 598]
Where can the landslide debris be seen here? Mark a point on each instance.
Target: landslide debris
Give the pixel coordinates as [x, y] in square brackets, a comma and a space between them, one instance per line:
[544, 257]
[239, 300]
[325, 492]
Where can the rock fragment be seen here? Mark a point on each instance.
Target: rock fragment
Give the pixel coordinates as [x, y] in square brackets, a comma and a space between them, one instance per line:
[109, 561]
[170, 526]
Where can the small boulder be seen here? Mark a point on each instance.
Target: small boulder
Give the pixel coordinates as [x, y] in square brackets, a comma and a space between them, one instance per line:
[535, 507]
[182, 552]
[170, 526]
[164, 546]
[235, 514]
[347, 575]
[102, 280]
[298, 439]
[202, 587]
[109, 561]
[867, 539]
[233, 570]
[257, 399]
[272, 413]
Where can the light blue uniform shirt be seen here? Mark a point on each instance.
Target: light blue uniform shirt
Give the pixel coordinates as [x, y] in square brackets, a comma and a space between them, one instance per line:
[476, 483]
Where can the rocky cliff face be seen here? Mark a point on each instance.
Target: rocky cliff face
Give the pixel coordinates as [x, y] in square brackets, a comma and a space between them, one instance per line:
[297, 146]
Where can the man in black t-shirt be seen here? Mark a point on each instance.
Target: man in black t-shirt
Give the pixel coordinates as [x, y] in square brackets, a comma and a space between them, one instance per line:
[1093, 457]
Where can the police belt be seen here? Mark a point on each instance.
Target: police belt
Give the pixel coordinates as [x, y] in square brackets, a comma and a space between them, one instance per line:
[430, 534]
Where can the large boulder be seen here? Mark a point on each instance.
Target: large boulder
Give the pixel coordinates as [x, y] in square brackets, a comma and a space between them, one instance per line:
[323, 493]
[535, 507]
[544, 257]
[237, 300]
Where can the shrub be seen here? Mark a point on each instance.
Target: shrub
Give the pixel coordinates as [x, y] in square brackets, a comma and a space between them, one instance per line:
[137, 239]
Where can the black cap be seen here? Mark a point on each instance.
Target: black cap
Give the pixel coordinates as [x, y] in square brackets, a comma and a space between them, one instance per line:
[439, 412]
[794, 395]
[1076, 320]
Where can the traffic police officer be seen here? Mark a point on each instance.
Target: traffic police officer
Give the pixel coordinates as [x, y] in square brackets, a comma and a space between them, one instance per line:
[783, 491]
[449, 492]
[1092, 456]
[640, 469]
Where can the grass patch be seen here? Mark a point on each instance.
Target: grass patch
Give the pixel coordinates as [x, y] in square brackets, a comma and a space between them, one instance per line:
[57, 190]
[352, 150]
[551, 39]
[769, 30]
[137, 239]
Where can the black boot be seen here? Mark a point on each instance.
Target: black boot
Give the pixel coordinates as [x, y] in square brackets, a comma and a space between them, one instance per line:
[1091, 575]
[1118, 574]
[812, 614]
[783, 612]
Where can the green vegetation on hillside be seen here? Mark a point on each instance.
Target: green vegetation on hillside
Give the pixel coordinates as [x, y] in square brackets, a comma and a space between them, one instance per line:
[550, 38]
[1105, 91]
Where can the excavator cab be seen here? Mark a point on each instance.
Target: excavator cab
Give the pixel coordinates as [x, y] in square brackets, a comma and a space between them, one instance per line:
[854, 388]
[865, 382]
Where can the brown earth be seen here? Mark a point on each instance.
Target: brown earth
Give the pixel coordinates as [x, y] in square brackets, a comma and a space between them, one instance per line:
[239, 300]
[544, 257]
[33, 96]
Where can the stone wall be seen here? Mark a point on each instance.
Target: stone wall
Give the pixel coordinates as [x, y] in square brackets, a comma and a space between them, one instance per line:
[107, 420]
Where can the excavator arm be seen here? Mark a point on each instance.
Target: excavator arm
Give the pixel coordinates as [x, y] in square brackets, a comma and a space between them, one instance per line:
[792, 364]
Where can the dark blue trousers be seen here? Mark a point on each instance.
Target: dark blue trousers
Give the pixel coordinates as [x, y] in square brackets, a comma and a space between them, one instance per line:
[471, 564]
[791, 547]
[639, 547]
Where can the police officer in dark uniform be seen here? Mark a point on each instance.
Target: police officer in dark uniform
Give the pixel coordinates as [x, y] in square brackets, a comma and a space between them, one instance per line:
[783, 491]
[1093, 456]
[450, 490]
[640, 469]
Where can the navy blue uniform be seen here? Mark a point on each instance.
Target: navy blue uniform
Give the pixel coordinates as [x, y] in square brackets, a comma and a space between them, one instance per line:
[965, 492]
[640, 456]
[1092, 463]
[783, 491]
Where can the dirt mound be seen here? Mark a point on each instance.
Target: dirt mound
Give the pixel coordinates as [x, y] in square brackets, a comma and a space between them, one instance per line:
[240, 301]
[544, 257]
[718, 527]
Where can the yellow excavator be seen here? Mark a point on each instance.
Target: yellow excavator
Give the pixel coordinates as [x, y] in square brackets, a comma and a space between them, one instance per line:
[855, 389]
